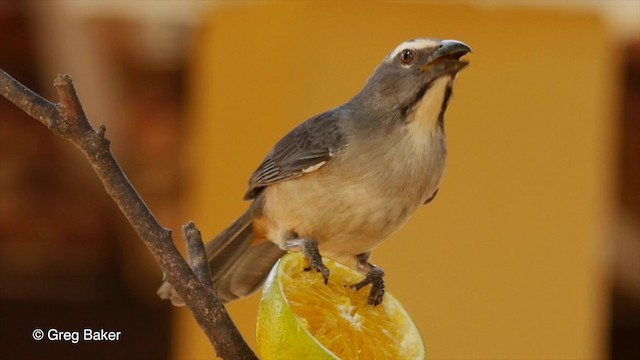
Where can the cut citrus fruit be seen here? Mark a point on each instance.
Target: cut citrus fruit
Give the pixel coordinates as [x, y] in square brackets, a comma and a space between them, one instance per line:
[302, 318]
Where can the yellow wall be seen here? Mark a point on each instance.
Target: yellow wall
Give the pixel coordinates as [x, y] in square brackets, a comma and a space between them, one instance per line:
[507, 261]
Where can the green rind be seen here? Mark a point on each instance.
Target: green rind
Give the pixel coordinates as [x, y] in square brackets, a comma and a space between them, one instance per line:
[280, 334]
[287, 337]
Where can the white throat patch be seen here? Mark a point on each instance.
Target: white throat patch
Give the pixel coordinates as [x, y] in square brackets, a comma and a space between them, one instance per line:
[425, 115]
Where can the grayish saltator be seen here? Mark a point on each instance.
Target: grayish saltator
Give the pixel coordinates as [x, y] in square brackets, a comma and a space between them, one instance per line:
[345, 180]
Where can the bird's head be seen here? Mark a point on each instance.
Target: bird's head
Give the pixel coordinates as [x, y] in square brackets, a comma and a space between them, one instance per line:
[406, 74]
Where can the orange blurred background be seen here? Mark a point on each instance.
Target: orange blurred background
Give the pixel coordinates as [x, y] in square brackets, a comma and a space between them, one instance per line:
[530, 251]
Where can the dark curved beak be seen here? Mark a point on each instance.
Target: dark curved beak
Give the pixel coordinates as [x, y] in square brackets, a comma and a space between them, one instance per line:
[447, 58]
[452, 49]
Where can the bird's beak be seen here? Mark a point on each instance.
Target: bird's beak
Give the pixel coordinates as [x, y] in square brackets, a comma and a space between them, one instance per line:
[449, 55]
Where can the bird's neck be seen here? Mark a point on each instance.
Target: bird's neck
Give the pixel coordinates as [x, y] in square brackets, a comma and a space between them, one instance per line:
[427, 114]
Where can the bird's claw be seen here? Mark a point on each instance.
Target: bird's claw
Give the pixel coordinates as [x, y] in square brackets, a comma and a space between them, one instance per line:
[375, 277]
[320, 267]
[312, 253]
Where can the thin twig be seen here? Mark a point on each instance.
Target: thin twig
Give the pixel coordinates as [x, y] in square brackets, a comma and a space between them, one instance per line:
[196, 254]
[68, 120]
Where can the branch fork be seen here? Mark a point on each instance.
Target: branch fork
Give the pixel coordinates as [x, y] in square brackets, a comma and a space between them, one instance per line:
[191, 281]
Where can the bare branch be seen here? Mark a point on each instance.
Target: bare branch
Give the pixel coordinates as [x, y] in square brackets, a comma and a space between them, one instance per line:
[196, 254]
[68, 120]
[31, 103]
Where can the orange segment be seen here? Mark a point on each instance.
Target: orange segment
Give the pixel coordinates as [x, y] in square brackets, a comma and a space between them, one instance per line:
[330, 321]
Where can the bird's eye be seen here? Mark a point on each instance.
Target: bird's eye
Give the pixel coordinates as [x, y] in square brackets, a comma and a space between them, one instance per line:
[407, 56]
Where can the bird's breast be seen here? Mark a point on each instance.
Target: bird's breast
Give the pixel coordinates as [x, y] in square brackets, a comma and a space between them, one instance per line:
[360, 197]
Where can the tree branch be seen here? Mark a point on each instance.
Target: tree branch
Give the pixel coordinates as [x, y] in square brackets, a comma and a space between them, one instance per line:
[68, 120]
[197, 254]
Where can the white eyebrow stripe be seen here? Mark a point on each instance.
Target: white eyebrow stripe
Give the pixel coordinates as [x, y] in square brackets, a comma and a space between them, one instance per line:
[416, 44]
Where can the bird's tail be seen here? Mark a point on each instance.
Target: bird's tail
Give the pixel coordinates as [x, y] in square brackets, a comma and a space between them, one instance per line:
[238, 265]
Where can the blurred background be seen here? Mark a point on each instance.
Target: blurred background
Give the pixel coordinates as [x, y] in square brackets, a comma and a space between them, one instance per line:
[530, 251]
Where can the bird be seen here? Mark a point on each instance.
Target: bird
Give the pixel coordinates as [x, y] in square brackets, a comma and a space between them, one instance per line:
[343, 181]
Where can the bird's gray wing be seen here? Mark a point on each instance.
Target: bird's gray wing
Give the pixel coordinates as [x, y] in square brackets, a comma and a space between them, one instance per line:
[305, 149]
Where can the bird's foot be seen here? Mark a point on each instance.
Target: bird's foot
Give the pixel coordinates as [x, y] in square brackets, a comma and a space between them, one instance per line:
[312, 253]
[375, 277]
